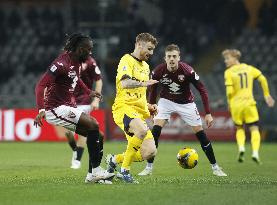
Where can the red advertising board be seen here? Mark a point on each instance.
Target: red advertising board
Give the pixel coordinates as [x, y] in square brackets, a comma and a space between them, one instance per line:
[17, 125]
[222, 130]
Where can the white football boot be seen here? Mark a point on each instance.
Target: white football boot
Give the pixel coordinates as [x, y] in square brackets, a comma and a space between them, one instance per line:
[256, 158]
[75, 164]
[98, 174]
[146, 171]
[217, 171]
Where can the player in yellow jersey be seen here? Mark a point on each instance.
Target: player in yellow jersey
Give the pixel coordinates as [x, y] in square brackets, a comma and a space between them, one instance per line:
[239, 79]
[130, 108]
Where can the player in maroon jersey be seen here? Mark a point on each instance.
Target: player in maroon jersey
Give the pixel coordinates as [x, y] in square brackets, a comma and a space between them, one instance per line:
[176, 97]
[58, 105]
[89, 74]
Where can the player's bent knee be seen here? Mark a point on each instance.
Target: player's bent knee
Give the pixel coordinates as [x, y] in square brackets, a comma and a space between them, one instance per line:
[93, 125]
[148, 149]
[141, 133]
[149, 153]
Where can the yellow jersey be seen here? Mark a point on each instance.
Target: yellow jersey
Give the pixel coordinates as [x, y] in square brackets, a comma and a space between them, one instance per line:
[240, 77]
[133, 97]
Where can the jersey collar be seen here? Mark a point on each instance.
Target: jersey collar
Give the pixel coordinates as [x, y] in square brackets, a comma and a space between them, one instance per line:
[135, 57]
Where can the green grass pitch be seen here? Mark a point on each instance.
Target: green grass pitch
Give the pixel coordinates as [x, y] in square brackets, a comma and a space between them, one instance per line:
[39, 173]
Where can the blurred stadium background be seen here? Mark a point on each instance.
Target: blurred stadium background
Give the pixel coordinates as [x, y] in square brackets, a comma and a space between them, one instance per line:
[32, 33]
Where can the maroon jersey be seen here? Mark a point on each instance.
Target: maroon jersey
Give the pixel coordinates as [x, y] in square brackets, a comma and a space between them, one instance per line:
[89, 73]
[175, 86]
[60, 80]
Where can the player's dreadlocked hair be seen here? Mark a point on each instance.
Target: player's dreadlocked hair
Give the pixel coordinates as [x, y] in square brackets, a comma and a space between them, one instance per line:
[74, 40]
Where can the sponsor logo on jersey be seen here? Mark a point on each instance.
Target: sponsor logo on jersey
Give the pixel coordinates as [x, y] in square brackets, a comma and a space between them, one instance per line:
[124, 68]
[166, 81]
[181, 78]
[174, 87]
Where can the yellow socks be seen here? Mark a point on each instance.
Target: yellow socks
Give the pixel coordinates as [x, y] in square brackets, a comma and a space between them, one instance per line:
[137, 157]
[255, 140]
[240, 136]
[119, 158]
[134, 144]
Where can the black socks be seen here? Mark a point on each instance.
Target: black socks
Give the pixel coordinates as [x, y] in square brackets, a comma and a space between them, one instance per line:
[156, 132]
[206, 146]
[93, 144]
[80, 151]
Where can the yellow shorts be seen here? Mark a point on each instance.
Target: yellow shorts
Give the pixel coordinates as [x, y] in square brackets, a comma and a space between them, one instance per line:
[122, 118]
[244, 114]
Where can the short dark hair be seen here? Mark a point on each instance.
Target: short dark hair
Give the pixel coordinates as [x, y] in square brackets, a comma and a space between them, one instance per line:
[172, 47]
[146, 37]
[74, 40]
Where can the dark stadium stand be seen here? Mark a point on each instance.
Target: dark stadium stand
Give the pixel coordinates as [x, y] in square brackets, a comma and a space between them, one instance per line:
[32, 35]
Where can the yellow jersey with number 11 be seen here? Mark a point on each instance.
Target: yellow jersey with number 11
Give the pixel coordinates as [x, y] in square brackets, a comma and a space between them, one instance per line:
[135, 98]
[241, 78]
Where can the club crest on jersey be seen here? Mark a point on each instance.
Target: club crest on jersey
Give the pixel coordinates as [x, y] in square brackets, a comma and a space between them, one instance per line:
[181, 78]
[124, 68]
[71, 114]
[72, 74]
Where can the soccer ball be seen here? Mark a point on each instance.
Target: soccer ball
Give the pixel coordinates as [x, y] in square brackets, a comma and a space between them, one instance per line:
[187, 158]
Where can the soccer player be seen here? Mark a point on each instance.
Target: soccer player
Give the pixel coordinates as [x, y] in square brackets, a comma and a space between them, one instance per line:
[239, 79]
[58, 107]
[130, 108]
[176, 97]
[89, 74]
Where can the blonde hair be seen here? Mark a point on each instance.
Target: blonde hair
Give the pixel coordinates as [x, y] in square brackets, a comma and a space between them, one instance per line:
[172, 47]
[146, 37]
[233, 52]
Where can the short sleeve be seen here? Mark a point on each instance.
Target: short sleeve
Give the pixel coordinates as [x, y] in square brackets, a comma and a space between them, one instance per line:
[96, 72]
[255, 72]
[228, 78]
[124, 68]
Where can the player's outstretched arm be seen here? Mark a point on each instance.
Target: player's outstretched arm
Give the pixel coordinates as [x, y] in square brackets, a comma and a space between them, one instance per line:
[130, 83]
[91, 93]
